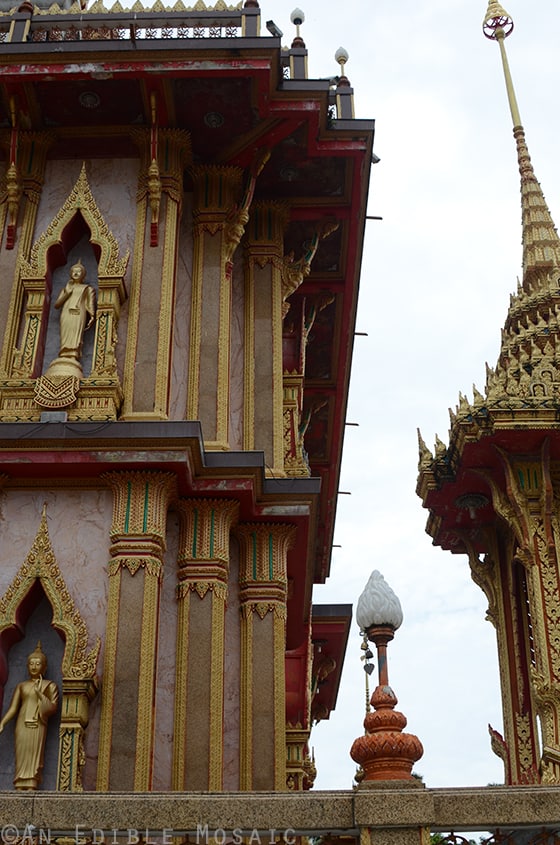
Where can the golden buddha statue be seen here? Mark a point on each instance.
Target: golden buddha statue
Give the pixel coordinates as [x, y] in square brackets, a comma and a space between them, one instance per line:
[34, 702]
[76, 302]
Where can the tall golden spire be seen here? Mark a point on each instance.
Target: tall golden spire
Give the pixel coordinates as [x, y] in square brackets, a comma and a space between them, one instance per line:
[530, 339]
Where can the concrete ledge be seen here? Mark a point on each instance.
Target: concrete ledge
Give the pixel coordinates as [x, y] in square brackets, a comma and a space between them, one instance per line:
[386, 807]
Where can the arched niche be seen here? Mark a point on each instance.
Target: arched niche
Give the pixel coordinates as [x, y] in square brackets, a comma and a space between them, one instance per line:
[38, 576]
[98, 395]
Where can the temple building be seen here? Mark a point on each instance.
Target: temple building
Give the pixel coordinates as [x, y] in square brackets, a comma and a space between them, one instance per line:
[182, 213]
[494, 492]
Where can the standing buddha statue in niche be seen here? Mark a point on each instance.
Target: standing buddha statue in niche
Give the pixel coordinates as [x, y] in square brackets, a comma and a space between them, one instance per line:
[77, 303]
[34, 702]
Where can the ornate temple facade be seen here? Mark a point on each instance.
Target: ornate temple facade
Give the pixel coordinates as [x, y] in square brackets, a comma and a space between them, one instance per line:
[181, 213]
[181, 220]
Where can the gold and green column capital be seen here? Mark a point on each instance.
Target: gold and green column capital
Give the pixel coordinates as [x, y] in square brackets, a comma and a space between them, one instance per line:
[204, 541]
[265, 547]
[204, 528]
[216, 191]
[140, 502]
[265, 231]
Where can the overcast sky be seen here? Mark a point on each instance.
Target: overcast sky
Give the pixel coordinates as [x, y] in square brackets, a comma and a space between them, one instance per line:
[436, 279]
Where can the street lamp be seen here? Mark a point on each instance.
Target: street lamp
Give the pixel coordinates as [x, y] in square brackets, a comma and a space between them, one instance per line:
[385, 752]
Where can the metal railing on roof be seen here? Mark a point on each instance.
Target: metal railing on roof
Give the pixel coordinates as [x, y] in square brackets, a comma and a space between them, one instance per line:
[136, 24]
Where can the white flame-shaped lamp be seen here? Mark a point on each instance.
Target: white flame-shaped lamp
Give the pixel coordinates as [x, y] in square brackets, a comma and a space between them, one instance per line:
[384, 752]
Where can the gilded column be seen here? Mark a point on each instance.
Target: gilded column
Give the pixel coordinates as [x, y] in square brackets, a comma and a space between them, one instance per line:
[218, 228]
[263, 407]
[140, 503]
[203, 568]
[77, 694]
[150, 323]
[263, 593]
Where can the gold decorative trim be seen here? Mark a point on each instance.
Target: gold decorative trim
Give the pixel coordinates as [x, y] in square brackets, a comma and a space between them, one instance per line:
[152, 565]
[181, 676]
[215, 763]
[98, 8]
[134, 310]
[108, 688]
[140, 504]
[143, 762]
[246, 703]
[56, 391]
[279, 638]
[79, 198]
[205, 531]
[265, 547]
[40, 564]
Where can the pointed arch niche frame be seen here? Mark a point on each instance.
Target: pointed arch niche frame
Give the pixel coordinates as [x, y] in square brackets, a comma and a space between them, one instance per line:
[79, 681]
[99, 395]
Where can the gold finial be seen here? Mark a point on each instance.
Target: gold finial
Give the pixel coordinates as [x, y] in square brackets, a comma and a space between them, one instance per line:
[497, 26]
[497, 19]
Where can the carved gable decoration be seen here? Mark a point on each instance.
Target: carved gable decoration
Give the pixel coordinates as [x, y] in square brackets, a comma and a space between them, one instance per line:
[40, 563]
[80, 199]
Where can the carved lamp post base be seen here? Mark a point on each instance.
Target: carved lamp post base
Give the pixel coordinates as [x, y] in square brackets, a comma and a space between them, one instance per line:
[385, 752]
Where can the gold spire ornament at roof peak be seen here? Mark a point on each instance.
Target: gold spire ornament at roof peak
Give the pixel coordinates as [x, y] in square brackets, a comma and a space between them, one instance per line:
[527, 366]
[497, 20]
[526, 380]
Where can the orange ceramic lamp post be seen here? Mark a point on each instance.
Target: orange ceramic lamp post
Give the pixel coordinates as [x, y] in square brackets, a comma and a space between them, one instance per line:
[384, 752]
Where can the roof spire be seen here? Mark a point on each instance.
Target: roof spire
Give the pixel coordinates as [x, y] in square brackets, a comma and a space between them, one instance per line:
[531, 308]
[541, 245]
